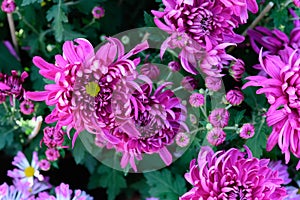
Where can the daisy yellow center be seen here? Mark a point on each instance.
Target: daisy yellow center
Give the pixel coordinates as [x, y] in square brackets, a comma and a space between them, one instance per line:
[29, 171]
[92, 89]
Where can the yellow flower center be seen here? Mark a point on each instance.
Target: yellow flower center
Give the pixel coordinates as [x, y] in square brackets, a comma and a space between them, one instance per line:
[92, 89]
[29, 171]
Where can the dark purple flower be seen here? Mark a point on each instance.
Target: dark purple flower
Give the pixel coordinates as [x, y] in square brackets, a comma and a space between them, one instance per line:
[282, 170]
[232, 175]
[174, 66]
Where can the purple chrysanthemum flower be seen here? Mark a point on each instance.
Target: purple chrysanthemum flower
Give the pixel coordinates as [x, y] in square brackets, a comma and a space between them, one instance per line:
[219, 117]
[189, 83]
[197, 100]
[150, 70]
[293, 192]
[235, 97]
[282, 91]
[232, 174]
[182, 139]
[63, 192]
[216, 136]
[296, 3]
[13, 85]
[98, 12]
[44, 165]
[53, 137]
[155, 119]
[27, 107]
[52, 154]
[237, 70]
[8, 6]
[174, 66]
[201, 20]
[13, 193]
[281, 169]
[247, 131]
[84, 83]
[213, 83]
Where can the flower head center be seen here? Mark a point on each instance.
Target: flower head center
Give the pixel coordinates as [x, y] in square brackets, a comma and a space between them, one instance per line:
[29, 171]
[92, 89]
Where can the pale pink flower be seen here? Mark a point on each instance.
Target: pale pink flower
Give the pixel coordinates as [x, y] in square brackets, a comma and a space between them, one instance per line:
[44, 165]
[213, 83]
[219, 117]
[216, 136]
[182, 139]
[197, 100]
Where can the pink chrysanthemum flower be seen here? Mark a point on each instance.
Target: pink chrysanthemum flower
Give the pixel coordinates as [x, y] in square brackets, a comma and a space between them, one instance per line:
[53, 137]
[174, 66]
[182, 139]
[282, 91]
[247, 131]
[237, 70]
[63, 192]
[281, 169]
[27, 107]
[232, 174]
[8, 6]
[52, 154]
[201, 20]
[216, 136]
[235, 97]
[25, 172]
[84, 83]
[189, 83]
[197, 100]
[150, 70]
[219, 117]
[44, 165]
[296, 3]
[213, 83]
[155, 119]
[13, 85]
[98, 12]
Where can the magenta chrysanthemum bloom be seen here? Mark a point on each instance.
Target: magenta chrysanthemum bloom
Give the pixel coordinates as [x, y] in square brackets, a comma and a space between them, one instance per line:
[189, 83]
[27, 107]
[237, 70]
[282, 91]
[174, 66]
[8, 6]
[296, 3]
[247, 131]
[44, 165]
[52, 154]
[232, 174]
[84, 83]
[201, 20]
[182, 139]
[63, 192]
[150, 70]
[281, 169]
[13, 85]
[216, 136]
[213, 83]
[98, 12]
[156, 117]
[53, 137]
[197, 100]
[219, 117]
[25, 172]
[235, 97]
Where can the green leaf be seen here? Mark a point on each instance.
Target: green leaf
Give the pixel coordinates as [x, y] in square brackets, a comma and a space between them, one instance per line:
[148, 20]
[111, 179]
[8, 61]
[57, 15]
[27, 2]
[78, 152]
[165, 186]
[239, 116]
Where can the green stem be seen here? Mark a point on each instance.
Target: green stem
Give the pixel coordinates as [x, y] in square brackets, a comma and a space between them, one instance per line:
[230, 128]
[27, 23]
[13, 32]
